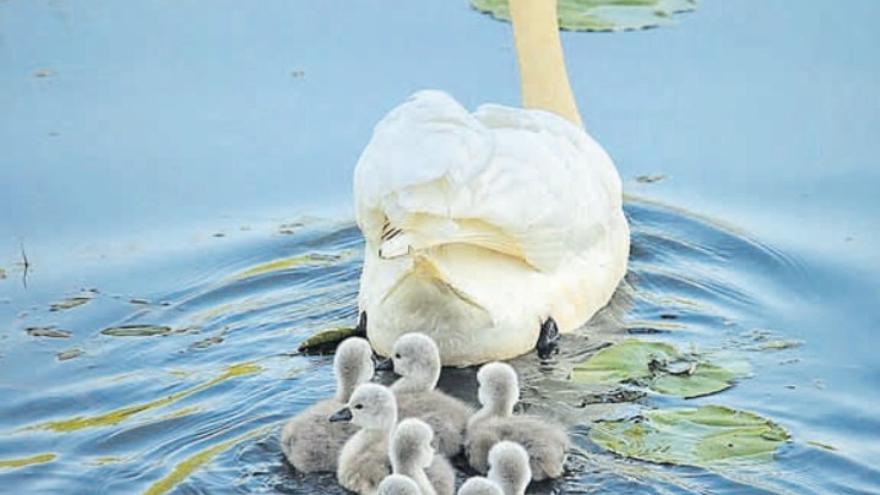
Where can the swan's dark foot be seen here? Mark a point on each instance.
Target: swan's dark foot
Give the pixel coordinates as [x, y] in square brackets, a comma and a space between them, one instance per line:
[361, 329]
[548, 339]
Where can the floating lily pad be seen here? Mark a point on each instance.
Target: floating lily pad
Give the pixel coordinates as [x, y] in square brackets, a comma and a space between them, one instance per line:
[602, 15]
[136, 331]
[50, 332]
[70, 302]
[327, 340]
[659, 366]
[706, 437]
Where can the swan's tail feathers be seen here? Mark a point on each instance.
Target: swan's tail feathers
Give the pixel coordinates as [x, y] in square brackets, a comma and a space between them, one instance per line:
[420, 232]
[423, 267]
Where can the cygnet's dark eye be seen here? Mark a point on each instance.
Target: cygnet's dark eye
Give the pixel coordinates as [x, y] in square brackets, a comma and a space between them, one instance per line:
[359, 406]
[397, 355]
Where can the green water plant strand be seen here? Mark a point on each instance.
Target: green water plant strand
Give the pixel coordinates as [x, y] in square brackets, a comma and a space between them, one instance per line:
[189, 465]
[27, 461]
[119, 415]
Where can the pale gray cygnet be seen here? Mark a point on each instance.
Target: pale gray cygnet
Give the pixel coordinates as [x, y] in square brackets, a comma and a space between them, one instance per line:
[398, 484]
[309, 441]
[363, 461]
[509, 467]
[479, 485]
[412, 455]
[545, 441]
[416, 358]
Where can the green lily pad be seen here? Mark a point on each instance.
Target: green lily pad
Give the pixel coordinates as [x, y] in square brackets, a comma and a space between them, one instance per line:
[602, 15]
[326, 341]
[708, 436]
[136, 331]
[659, 366]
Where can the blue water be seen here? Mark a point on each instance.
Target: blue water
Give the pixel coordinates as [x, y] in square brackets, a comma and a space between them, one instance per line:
[170, 145]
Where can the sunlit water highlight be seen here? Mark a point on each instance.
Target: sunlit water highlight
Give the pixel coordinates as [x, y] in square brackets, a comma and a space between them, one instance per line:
[198, 408]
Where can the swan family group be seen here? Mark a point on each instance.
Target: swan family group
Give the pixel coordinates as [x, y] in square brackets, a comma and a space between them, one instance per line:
[398, 440]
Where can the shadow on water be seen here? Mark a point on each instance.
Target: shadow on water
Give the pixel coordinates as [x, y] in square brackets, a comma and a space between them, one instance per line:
[197, 409]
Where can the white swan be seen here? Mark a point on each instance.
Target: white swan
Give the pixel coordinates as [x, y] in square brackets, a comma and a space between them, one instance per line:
[308, 440]
[485, 230]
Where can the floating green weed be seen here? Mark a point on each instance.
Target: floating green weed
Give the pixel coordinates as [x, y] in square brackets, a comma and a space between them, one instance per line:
[602, 15]
[27, 461]
[326, 340]
[290, 262]
[189, 465]
[136, 331]
[122, 414]
[69, 303]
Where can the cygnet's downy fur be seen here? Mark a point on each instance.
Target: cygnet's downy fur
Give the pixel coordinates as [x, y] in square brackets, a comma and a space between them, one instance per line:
[411, 455]
[479, 485]
[545, 441]
[308, 440]
[416, 359]
[398, 484]
[363, 461]
[509, 467]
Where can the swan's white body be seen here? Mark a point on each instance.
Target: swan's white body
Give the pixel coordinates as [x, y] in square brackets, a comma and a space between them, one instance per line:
[481, 226]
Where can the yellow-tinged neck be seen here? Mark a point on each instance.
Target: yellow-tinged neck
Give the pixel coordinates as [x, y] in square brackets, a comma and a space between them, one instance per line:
[543, 78]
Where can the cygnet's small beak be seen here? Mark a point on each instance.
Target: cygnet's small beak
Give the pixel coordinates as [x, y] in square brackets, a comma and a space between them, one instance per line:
[343, 414]
[385, 365]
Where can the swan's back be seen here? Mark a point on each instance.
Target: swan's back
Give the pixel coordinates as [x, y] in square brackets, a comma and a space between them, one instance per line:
[525, 182]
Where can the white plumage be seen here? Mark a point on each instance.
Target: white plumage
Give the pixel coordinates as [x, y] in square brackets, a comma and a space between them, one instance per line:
[481, 226]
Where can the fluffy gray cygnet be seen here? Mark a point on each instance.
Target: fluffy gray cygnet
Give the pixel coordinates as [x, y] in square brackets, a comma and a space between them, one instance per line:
[411, 455]
[416, 359]
[546, 442]
[363, 461]
[310, 442]
[509, 467]
[479, 485]
[398, 484]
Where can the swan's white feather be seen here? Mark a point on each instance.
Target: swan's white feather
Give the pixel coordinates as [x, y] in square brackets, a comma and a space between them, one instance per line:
[479, 226]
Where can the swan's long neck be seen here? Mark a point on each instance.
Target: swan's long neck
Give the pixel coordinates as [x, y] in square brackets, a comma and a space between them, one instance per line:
[543, 78]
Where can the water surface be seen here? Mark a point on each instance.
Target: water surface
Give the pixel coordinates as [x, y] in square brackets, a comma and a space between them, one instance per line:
[157, 155]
